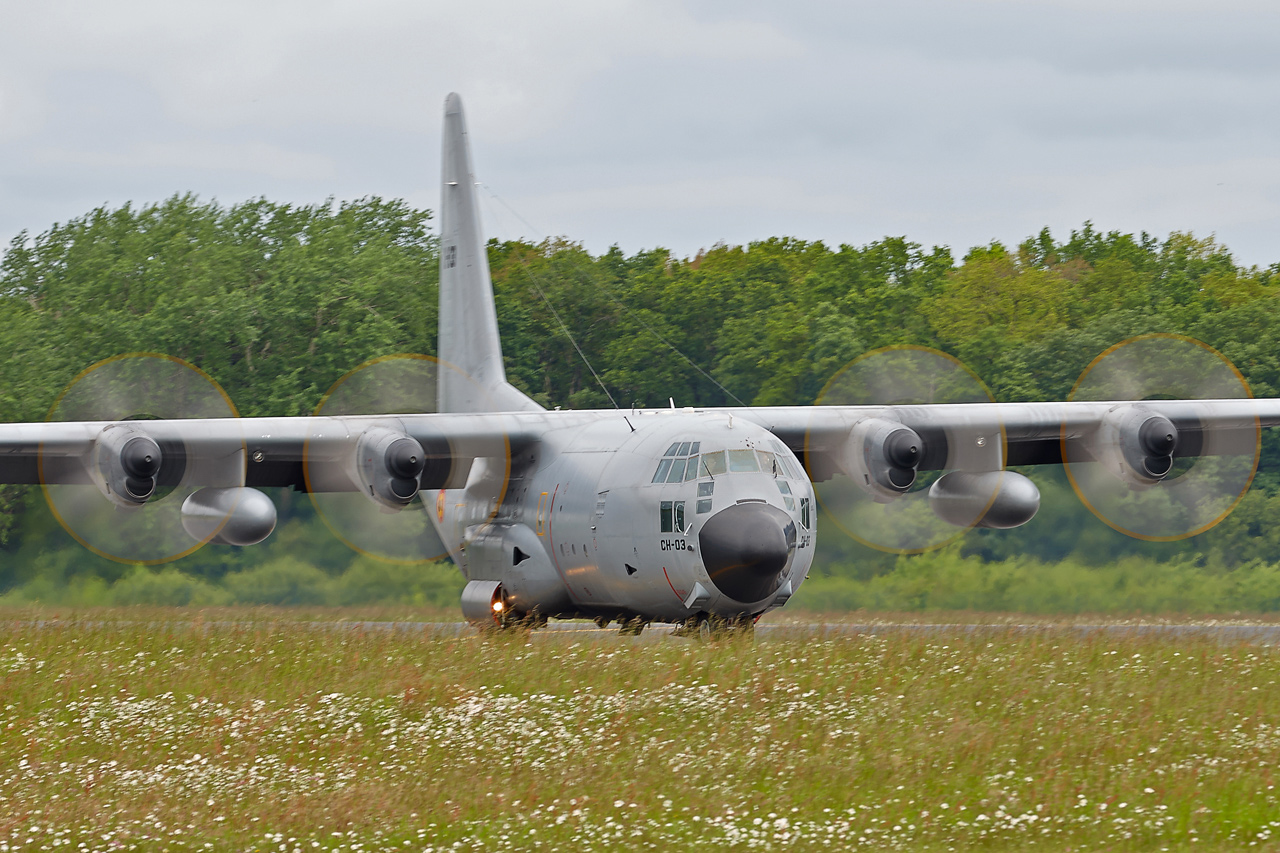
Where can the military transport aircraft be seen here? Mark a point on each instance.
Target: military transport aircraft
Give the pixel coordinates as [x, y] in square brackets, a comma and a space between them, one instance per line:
[697, 517]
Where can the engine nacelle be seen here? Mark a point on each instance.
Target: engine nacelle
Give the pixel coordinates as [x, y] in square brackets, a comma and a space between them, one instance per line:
[235, 516]
[1136, 445]
[994, 499]
[389, 465]
[881, 457]
[126, 463]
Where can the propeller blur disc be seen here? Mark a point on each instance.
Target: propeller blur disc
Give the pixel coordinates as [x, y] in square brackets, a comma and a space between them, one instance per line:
[138, 387]
[1211, 470]
[402, 384]
[907, 376]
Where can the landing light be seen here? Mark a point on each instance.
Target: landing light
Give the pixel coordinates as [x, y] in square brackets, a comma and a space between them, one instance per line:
[497, 607]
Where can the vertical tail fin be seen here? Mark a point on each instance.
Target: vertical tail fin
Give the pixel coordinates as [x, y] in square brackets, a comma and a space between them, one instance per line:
[468, 320]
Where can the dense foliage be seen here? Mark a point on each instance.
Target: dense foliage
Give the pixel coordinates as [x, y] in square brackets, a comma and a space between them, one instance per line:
[276, 302]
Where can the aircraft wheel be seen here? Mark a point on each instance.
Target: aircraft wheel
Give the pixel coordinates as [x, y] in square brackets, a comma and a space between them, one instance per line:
[632, 627]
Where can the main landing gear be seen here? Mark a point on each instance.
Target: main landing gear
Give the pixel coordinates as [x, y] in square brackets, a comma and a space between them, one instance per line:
[709, 627]
[631, 627]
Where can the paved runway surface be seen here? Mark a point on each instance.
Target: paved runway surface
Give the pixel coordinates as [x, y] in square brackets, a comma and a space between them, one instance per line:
[1257, 634]
[1268, 634]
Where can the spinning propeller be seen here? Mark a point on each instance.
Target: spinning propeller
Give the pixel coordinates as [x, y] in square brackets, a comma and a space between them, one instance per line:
[893, 462]
[1154, 472]
[365, 476]
[146, 475]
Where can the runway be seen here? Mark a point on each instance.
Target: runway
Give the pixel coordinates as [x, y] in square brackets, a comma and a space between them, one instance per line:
[1252, 634]
[1255, 634]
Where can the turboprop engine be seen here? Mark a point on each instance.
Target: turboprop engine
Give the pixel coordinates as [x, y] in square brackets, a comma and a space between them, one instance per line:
[126, 465]
[1136, 445]
[389, 465]
[881, 457]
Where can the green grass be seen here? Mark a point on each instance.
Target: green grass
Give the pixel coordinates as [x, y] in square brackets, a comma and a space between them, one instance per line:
[256, 730]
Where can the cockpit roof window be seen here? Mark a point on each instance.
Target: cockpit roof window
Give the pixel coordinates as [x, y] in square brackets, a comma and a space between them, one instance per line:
[673, 450]
[684, 449]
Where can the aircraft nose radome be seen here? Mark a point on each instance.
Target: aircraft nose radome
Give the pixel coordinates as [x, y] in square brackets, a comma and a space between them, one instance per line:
[452, 103]
[745, 549]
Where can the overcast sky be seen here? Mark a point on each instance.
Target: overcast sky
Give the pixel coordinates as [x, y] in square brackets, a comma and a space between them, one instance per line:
[674, 124]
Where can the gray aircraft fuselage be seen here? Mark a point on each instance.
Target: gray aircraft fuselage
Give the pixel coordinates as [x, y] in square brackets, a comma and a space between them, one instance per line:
[657, 514]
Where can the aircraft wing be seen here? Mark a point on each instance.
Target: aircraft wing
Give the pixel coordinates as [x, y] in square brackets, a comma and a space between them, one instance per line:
[1032, 433]
[306, 453]
[292, 450]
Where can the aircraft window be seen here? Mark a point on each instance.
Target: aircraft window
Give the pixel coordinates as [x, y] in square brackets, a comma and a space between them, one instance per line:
[691, 472]
[671, 516]
[663, 467]
[804, 513]
[704, 505]
[684, 449]
[793, 471]
[693, 448]
[743, 460]
[707, 489]
[677, 471]
[784, 487]
[767, 463]
[713, 463]
[672, 450]
[790, 502]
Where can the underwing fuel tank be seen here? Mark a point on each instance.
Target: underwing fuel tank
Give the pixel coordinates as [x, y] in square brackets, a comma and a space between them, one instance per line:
[997, 499]
[235, 516]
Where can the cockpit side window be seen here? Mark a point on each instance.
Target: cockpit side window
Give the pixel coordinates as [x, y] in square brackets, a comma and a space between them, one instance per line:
[677, 471]
[664, 467]
[671, 516]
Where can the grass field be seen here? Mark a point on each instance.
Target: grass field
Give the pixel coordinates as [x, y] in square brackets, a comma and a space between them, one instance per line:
[250, 730]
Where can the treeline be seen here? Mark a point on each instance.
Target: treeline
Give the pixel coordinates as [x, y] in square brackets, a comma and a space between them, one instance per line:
[277, 301]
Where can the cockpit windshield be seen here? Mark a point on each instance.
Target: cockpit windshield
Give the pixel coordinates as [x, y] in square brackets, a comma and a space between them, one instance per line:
[682, 462]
